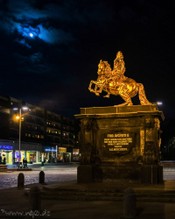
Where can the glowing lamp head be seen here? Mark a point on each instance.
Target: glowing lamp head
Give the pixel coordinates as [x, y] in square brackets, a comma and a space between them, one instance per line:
[159, 103]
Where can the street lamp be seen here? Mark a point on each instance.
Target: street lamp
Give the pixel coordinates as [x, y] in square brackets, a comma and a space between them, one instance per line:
[20, 118]
[159, 103]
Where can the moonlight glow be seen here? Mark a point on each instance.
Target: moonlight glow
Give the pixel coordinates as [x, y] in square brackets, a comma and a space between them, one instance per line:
[31, 35]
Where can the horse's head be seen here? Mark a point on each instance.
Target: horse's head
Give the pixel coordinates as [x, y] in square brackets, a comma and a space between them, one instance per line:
[103, 68]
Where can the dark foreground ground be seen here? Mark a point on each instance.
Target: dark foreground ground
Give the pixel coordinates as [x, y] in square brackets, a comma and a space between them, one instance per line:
[107, 200]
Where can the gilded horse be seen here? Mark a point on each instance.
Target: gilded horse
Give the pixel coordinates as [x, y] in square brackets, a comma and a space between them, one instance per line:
[117, 84]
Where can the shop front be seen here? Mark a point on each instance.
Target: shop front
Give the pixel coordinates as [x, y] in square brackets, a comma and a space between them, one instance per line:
[62, 154]
[30, 156]
[76, 155]
[10, 153]
[56, 154]
[50, 154]
[6, 154]
[29, 151]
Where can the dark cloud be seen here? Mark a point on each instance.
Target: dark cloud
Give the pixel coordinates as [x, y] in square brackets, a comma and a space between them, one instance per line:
[50, 49]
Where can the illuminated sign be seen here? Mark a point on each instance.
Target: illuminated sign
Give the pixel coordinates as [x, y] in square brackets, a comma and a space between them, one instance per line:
[50, 149]
[118, 142]
[6, 147]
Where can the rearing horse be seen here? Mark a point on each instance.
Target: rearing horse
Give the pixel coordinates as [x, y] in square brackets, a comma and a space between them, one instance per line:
[117, 84]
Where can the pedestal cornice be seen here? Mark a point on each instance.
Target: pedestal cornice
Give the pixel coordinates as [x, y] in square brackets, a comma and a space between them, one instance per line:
[120, 111]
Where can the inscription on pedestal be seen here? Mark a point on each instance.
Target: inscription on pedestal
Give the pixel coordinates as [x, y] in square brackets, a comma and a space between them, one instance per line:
[118, 142]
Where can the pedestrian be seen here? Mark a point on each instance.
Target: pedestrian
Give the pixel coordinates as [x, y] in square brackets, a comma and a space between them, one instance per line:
[4, 159]
[25, 162]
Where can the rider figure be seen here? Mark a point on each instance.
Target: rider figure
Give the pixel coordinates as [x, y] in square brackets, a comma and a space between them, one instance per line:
[116, 76]
[119, 67]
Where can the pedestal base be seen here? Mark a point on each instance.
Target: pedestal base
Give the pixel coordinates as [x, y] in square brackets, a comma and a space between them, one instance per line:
[121, 171]
[89, 174]
[152, 174]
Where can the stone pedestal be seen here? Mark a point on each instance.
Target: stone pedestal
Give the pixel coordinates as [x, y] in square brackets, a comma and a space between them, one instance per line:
[117, 142]
[89, 173]
[152, 174]
[85, 174]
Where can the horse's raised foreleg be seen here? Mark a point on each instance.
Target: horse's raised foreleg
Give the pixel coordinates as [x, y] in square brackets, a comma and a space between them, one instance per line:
[90, 86]
[94, 87]
[142, 95]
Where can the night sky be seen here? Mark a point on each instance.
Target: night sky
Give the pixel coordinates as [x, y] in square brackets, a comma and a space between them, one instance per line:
[50, 50]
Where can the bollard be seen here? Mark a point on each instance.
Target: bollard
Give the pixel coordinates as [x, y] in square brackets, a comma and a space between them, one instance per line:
[20, 180]
[35, 198]
[42, 177]
[129, 204]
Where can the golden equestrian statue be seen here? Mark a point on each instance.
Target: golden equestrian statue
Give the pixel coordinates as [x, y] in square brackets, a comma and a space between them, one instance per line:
[114, 82]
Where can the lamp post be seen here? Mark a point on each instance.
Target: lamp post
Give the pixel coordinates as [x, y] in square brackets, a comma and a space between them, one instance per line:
[19, 118]
[19, 142]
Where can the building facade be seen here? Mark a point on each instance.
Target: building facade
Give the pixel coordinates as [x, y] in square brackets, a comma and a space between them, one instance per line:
[41, 136]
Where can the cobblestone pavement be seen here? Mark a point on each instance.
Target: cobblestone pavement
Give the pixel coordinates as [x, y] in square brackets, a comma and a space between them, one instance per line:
[53, 173]
[169, 173]
[67, 209]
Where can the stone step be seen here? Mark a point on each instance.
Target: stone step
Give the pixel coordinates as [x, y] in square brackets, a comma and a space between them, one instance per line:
[19, 169]
[141, 195]
[3, 168]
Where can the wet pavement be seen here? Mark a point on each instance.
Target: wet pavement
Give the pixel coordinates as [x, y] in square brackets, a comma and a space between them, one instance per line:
[169, 173]
[16, 201]
[53, 173]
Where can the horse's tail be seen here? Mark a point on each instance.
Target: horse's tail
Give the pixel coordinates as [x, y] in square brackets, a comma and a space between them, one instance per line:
[142, 95]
